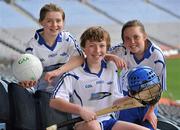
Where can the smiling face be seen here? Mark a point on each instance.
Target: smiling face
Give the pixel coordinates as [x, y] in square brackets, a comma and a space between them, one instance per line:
[135, 39]
[52, 19]
[95, 51]
[95, 41]
[52, 23]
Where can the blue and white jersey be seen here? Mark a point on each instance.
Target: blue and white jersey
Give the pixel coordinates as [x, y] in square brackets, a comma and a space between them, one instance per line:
[153, 57]
[52, 57]
[95, 91]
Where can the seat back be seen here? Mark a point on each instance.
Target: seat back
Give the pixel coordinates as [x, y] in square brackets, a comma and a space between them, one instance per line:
[4, 103]
[2, 126]
[31, 111]
[166, 124]
[48, 115]
[22, 108]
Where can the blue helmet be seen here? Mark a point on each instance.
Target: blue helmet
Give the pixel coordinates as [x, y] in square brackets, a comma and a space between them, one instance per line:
[141, 77]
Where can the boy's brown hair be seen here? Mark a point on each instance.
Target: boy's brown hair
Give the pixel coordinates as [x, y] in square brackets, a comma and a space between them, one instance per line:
[49, 8]
[95, 33]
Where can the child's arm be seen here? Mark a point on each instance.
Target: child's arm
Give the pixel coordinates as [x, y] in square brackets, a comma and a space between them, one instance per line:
[120, 63]
[151, 117]
[74, 62]
[65, 106]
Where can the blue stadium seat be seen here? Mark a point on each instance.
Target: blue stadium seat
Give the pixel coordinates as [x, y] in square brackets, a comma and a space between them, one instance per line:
[125, 10]
[73, 11]
[172, 6]
[11, 18]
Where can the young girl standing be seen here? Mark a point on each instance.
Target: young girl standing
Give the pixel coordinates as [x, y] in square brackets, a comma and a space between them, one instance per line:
[57, 49]
[138, 50]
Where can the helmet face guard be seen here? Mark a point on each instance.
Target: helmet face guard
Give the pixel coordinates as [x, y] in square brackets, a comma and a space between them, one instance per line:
[143, 78]
[149, 95]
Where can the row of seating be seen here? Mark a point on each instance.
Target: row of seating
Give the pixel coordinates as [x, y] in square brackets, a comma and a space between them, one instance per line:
[124, 10]
[171, 113]
[171, 7]
[11, 18]
[23, 110]
[77, 14]
[159, 17]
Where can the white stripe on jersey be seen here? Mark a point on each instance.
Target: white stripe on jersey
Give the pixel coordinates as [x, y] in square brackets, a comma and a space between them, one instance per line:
[153, 58]
[95, 91]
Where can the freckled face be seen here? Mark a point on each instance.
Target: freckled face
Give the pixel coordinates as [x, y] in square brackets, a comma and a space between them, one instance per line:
[52, 23]
[95, 51]
[135, 40]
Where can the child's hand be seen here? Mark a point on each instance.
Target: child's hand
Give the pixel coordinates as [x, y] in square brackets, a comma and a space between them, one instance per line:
[87, 115]
[27, 84]
[50, 75]
[151, 117]
[120, 63]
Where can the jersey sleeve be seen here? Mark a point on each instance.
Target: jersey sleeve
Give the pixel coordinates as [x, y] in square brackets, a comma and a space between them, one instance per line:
[29, 47]
[160, 69]
[118, 50]
[73, 48]
[64, 88]
[123, 83]
[117, 93]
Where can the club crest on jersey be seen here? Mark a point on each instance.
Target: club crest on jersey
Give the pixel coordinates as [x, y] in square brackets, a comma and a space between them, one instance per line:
[88, 86]
[63, 54]
[110, 82]
[99, 82]
[52, 55]
[99, 95]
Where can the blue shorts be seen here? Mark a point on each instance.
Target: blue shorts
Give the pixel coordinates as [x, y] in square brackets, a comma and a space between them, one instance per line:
[136, 115]
[108, 124]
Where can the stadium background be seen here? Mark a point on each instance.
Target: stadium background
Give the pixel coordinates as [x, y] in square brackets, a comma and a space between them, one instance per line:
[19, 20]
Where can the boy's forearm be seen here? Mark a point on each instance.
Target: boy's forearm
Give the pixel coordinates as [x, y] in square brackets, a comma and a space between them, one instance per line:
[65, 106]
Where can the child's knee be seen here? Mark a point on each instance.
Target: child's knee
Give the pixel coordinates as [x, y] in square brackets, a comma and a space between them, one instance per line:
[92, 125]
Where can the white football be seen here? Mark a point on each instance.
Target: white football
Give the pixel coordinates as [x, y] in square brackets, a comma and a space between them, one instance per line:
[27, 67]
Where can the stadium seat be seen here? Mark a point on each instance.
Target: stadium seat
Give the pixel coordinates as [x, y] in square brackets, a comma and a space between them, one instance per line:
[31, 111]
[4, 107]
[172, 113]
[49, 116]
[2, 126]
[164, 124]
[22, 108]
